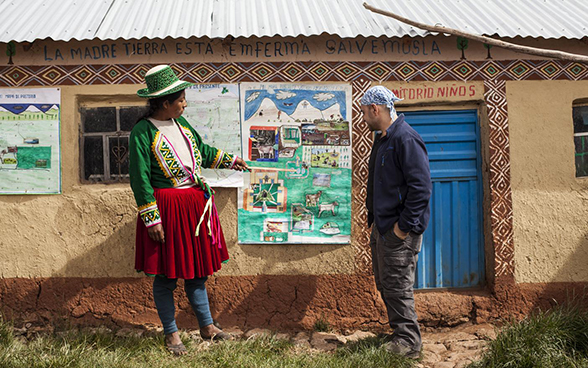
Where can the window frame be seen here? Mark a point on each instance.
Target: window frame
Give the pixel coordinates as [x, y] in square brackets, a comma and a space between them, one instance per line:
[106, 177]
[578, 104]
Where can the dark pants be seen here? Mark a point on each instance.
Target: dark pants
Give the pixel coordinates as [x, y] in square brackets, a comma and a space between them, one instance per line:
[394, 261]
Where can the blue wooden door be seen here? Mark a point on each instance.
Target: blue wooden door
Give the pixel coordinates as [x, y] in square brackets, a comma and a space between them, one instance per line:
[452, 254]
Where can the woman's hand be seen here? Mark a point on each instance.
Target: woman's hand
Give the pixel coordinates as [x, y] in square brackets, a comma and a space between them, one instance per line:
[155, 232]
[240, 165]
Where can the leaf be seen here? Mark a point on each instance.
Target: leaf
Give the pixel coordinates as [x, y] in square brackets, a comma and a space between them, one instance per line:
[10, 48]
[487, 46]
[462, 43]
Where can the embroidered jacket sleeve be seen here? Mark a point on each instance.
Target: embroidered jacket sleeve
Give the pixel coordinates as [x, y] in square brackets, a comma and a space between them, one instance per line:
[140, 175]
[213, 158]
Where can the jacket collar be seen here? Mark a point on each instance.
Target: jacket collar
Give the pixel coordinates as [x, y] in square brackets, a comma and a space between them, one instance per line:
[394, 126]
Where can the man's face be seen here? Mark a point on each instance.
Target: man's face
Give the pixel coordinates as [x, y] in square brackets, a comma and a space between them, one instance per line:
[369, 116]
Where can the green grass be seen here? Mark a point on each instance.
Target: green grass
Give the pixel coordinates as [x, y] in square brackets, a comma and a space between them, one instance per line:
[83, 350]
[558, 338]
[322, 325]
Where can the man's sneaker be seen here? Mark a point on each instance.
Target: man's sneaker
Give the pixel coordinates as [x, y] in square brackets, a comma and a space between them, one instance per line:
[401, 348]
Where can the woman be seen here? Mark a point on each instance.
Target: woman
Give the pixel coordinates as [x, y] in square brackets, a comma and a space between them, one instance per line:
[178, 230]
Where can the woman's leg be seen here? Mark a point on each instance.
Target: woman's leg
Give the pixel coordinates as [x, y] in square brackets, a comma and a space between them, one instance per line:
[196, 291]
[198, 297]
[163, 295]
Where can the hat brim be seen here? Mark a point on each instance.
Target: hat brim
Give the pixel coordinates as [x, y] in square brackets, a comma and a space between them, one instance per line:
[178, 86]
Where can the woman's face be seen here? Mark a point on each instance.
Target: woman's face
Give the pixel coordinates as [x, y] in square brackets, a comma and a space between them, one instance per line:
[175, 109]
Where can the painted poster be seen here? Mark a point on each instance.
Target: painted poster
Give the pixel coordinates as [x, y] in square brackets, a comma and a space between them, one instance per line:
[297, 140]
[213, 110]
[29, 141]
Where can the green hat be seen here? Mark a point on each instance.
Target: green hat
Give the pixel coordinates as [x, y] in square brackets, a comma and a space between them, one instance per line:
[161, 80]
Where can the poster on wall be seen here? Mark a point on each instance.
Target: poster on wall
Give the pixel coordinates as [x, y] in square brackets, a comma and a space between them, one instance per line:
[297, 140]
[213, 110]
[29, 141]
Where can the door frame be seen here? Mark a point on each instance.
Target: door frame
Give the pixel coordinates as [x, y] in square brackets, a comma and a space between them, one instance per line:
[483, 142]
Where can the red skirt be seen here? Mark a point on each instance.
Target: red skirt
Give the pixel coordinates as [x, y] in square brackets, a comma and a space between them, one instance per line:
[183, 255]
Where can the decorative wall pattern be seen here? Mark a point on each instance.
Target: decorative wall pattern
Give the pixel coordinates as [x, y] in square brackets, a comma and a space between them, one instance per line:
[360, 74]
[500, 190]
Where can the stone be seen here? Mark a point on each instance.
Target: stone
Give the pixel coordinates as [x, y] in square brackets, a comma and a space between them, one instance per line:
[257, 333]
[467, 345]
[325, 341]
[358, 335]
[323, 345]
[329, 337]
[457, 336]
[234, 331]
[430, 358]
[301, 339]
[472, 355]
[282, 336]
[444, 365]
[434, 348]
[153, 331]
[486, 333]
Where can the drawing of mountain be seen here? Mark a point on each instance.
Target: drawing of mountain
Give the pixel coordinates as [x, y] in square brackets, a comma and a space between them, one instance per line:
[305, 111]
[334, 110]
[32, 108]
[269, 111]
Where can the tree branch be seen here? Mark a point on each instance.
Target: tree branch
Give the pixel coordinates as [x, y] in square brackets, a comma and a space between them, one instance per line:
[554, 54]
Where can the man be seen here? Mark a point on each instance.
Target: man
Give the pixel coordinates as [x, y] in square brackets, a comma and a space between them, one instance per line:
[398, 192]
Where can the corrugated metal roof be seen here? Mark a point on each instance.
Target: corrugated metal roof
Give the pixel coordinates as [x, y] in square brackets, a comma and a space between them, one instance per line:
[27, 20]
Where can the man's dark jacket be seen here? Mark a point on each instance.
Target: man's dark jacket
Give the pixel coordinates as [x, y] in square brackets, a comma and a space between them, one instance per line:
[401, 180]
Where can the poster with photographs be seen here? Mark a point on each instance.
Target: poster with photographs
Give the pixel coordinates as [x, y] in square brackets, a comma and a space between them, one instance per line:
[297, 140]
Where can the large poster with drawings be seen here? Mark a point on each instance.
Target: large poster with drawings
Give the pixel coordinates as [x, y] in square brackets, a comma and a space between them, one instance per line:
[213, 110]
[297, 140]
[29, 141]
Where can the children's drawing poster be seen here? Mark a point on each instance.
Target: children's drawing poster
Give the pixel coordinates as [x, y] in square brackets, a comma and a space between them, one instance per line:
[297, 139]
[213, 110]
[29, 141]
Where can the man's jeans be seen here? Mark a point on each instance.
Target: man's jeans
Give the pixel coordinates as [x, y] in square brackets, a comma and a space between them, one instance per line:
[394, 261]
[163, 294]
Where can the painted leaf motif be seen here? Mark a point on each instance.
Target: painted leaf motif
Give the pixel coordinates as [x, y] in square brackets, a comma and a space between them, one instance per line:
[462, 43]
[10, 49]
[487, 46]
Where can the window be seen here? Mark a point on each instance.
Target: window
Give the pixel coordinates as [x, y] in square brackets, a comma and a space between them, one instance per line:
[580, 116]
[104, 142]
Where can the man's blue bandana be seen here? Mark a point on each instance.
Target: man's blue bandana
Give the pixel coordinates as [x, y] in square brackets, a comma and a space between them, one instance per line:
[380, 95]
